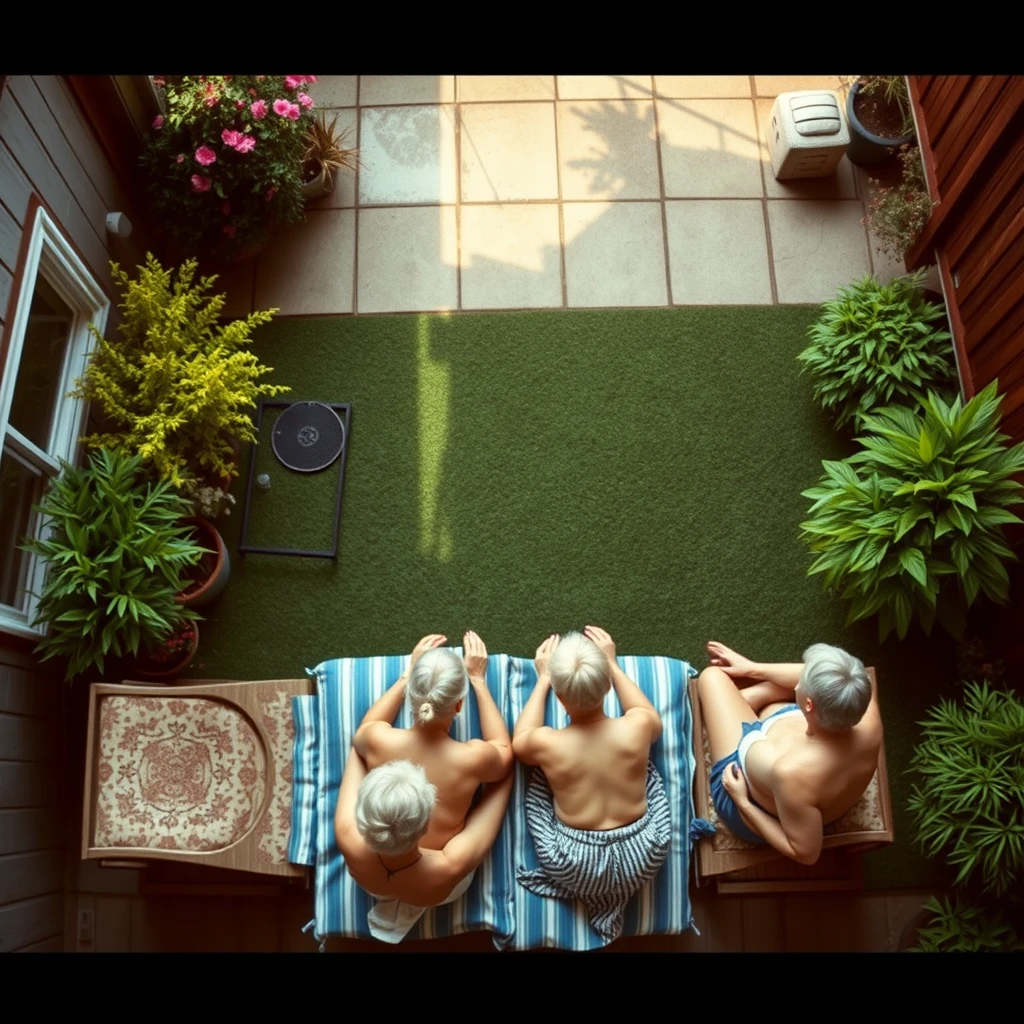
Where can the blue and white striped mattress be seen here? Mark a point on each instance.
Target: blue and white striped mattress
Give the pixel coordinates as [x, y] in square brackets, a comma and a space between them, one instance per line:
[495, 902]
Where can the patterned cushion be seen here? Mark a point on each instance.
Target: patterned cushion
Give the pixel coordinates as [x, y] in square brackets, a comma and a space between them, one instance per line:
[864, 816]
[189, 773]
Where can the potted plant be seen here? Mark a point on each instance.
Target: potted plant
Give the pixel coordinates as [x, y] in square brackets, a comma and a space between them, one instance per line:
[169, 658]
[176, 387]
[968, 802]
[116, 555]
[897, 211]
[959, 926]
[224, 164]
[876, 344]
[325, 155]
[205, 581]
[880, 117]
[912, 526]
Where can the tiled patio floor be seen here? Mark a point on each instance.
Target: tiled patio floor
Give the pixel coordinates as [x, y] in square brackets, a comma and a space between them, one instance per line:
[537, 192]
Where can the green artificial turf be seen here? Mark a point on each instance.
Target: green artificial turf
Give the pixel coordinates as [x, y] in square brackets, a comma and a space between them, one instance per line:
[526, 473]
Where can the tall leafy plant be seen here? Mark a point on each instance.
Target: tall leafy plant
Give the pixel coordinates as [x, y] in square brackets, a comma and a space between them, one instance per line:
[115, 555]
[876, 344]
[912, 526]
[176, 388]
[962, 927]
[969, 800]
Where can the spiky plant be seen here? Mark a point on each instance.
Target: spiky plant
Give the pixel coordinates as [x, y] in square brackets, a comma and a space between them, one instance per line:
[876, 344]
[962, 927]
[115, 560]
[969, 802]
[913, 525]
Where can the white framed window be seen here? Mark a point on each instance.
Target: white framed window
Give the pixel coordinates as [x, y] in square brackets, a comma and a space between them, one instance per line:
[48, 348]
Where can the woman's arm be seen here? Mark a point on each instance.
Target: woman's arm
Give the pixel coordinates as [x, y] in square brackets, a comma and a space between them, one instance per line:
[466, 850]
[631, 697]
[345, 812]
[783, 676]
[530, 724]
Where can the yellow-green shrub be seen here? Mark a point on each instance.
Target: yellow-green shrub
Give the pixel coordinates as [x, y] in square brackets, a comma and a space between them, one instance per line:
[177, 385]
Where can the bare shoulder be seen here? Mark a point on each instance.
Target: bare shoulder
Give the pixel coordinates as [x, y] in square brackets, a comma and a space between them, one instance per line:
[537, 744]
[640, 723]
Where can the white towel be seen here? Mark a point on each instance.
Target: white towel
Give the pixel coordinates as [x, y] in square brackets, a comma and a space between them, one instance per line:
[391, 920]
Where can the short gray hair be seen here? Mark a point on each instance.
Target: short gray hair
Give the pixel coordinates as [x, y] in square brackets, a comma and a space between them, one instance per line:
[838, 684]
[436, 685]
[393, 807]
[580, 672]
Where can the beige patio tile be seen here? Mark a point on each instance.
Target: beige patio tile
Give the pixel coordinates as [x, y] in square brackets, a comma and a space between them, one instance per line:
[604, 87]
[772, 85]
[407, 155]
[308, 267]
[607, 149]
[385, 89]
[334, 90]
[703, 87]
[818, 246]
[717, 252]
[709, 149]
[407, 259]
[508, 152]
[491, 88]
[839, 185]
[344, 193]
[614, 254]
[510, 256]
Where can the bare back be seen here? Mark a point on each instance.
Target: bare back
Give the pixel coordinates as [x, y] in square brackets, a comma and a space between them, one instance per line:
[451, 766]
[832, 769]
[598, 771]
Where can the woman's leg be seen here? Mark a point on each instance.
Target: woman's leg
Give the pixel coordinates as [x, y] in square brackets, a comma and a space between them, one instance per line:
[724, 711]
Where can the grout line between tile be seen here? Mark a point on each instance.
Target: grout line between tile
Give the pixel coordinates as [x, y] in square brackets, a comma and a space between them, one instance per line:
[458, 200]
[771, 252]
[355, 201]
[561, 210]
[662, 202]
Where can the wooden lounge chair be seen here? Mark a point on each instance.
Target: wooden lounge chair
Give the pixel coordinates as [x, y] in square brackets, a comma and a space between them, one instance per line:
[737, 866]
[200, 774]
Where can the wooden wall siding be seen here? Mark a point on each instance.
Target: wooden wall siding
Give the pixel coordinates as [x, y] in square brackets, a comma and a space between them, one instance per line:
[47, 146]
[972, 140]
[32, 813]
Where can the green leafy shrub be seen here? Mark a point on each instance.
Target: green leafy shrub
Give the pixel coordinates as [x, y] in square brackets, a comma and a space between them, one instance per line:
[913, 525]
[961, 927]
[224, 166]
[177, 385]
[970, 798]
[116, 557]
[875, 344]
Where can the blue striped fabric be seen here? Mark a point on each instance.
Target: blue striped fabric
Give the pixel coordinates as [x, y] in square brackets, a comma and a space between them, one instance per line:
[661, 907]
[347, 687]
[305, 763]
[495, 902]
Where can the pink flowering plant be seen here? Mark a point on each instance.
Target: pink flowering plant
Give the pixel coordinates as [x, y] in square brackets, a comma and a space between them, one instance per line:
[225, 162]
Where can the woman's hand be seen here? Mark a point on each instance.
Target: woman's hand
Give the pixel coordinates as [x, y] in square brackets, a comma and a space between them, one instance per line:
[735, 783]
[543, 655]
[603, 641]
[732, 664]
[428, 643]
[475, 655]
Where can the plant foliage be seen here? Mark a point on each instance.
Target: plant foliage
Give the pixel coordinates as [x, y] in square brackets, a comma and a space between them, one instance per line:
[912, 526]
[961, 927]
[876, 344]
[115, 559]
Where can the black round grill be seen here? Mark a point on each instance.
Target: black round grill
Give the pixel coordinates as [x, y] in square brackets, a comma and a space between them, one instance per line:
[308, 437]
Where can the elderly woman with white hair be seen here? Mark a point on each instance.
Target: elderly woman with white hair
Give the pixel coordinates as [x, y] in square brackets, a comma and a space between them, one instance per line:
[793, 746]
[436, 685]
[381, 821]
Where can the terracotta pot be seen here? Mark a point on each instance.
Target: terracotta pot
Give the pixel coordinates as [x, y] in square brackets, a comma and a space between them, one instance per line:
[143, 668]
[211, 588]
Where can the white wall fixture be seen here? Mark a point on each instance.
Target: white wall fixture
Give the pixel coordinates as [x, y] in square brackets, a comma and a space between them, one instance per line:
[118, 224]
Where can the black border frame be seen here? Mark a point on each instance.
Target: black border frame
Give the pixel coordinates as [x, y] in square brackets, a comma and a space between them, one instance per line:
[344, 410]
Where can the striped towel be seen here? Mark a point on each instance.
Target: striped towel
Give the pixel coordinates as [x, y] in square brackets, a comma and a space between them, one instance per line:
[662, 907]
[347, 687]
[324, 725]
